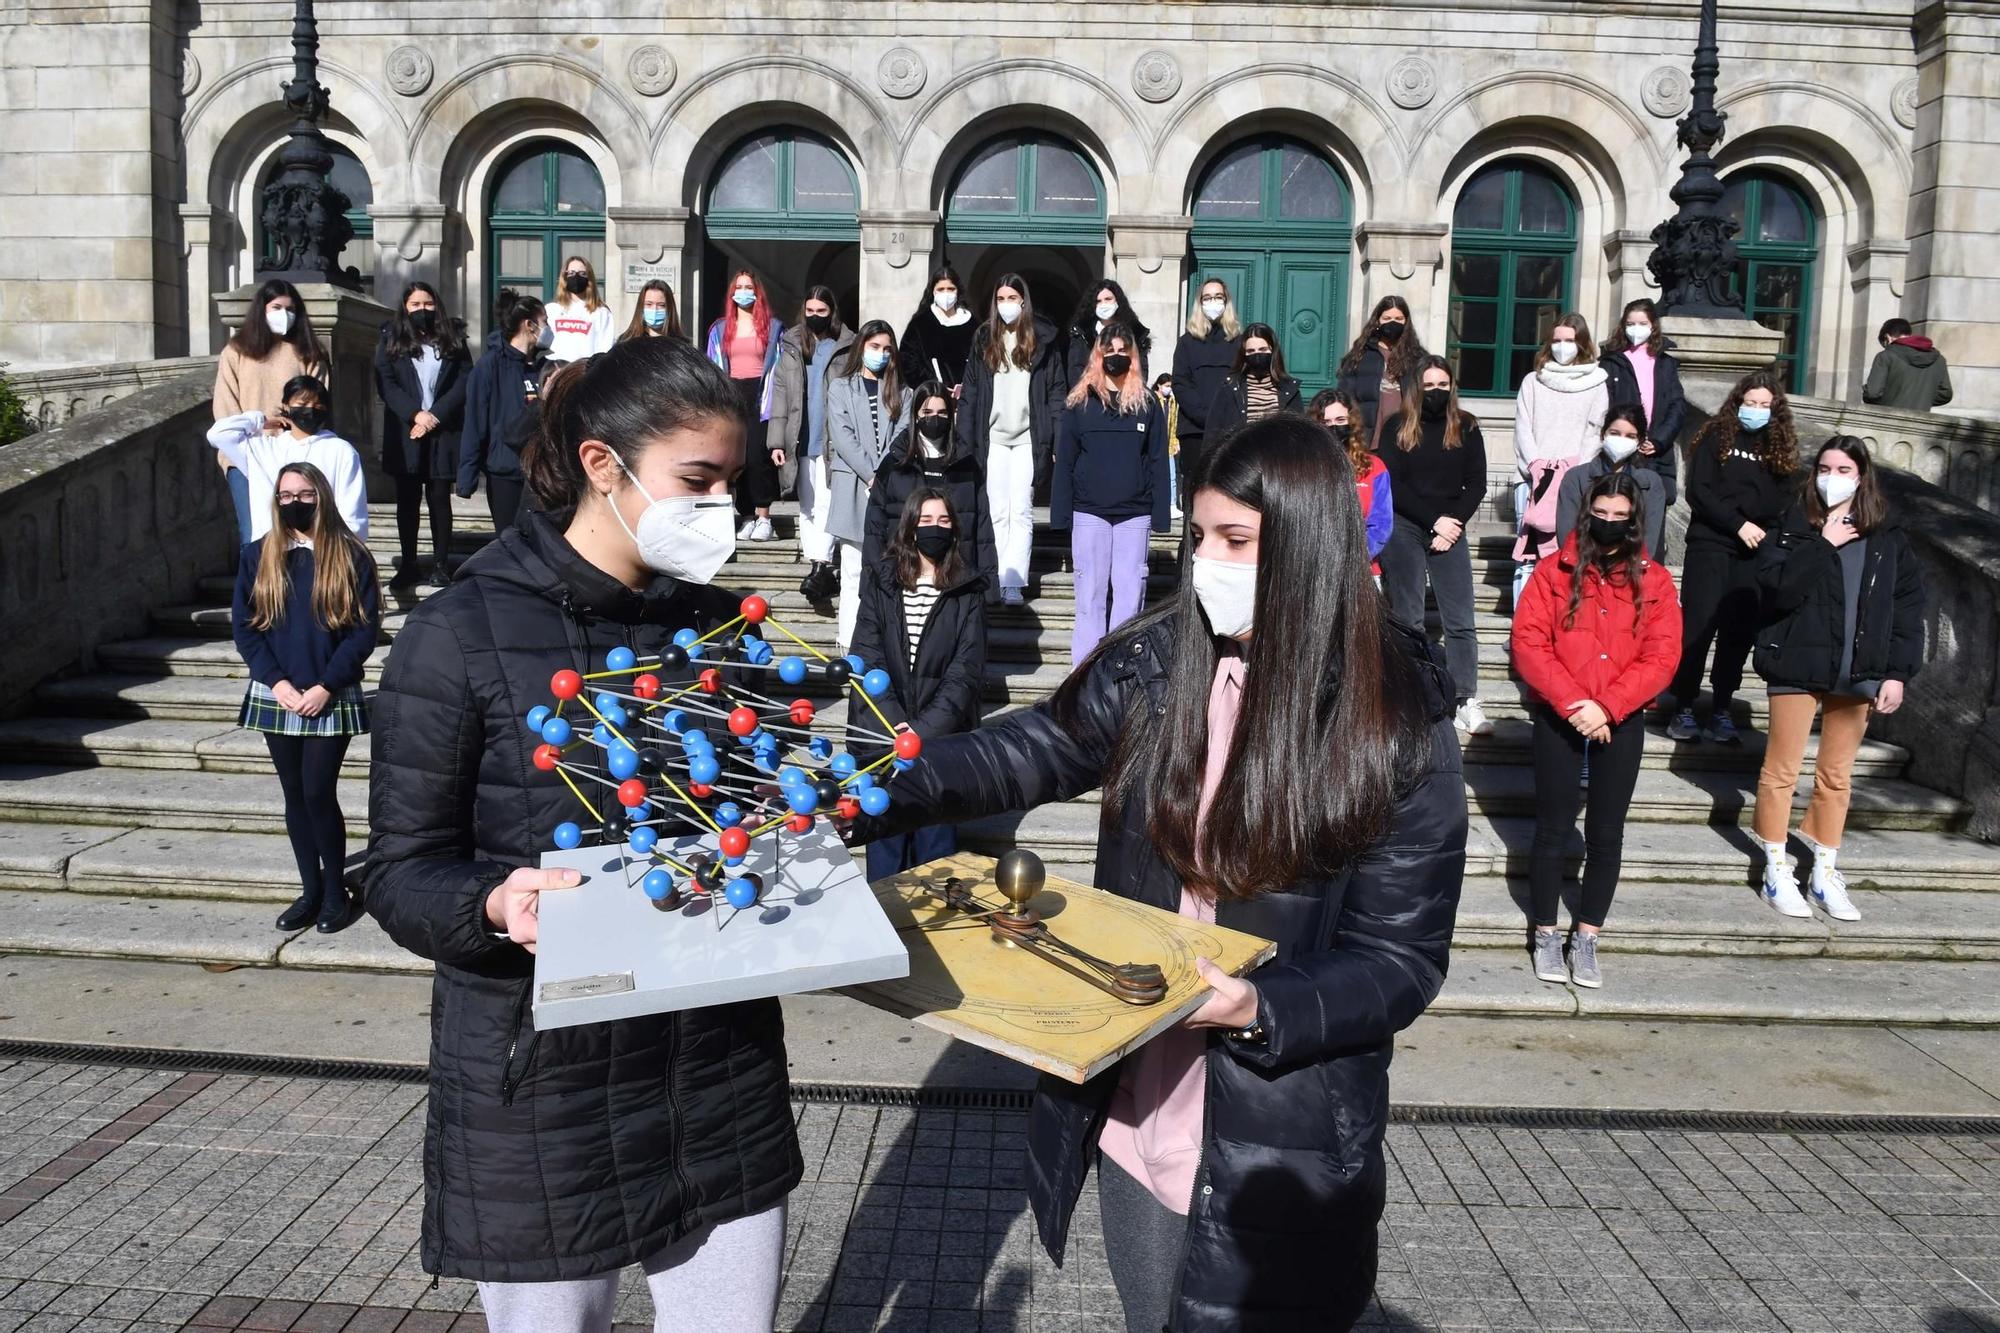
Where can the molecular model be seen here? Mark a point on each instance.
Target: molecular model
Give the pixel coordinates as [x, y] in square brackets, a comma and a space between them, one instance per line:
[687, 747]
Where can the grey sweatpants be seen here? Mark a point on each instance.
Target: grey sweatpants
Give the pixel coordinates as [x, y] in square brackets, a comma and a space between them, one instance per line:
[720, 1279]
[1142, 1246]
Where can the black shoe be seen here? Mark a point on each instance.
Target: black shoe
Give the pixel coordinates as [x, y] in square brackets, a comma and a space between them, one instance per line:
[406, 578]
[336, 915]
[300, 913]
[440, 572]
[820, 583]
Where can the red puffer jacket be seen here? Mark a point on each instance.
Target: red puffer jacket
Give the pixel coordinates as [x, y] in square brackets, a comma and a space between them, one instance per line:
[1607, 655]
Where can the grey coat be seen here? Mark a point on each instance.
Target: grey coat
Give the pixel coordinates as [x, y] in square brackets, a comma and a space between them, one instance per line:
[1652, 501]
[788, 398]
[855, 447]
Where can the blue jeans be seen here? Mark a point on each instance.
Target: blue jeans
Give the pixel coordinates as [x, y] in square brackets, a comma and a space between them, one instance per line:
[907, 851]
[239, 496]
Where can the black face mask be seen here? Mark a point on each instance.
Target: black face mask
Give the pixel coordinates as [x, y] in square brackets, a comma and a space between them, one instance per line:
[298, 514]
[577, 283]
[1435, 402]
[933, 542]
[933, 429]
[1391, 333]
[1116, 364]
[425, 322]
[1610, 535]
[1257, 363]
[311, 420]
[819, 325]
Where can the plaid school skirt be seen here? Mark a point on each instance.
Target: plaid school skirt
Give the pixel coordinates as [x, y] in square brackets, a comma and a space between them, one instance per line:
[346, 714]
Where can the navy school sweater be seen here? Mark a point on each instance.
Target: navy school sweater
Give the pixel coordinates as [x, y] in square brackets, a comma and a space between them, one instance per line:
[298, 648]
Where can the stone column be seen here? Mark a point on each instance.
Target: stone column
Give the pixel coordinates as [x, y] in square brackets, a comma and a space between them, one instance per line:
[895, 261]
[1625, 255]
[1714, 354]
[1405, 259]
[1875, 270]
[1149, 259]
[1954, 251]
[409, 247]
[200, 224]
[650, 243]
[349, 325]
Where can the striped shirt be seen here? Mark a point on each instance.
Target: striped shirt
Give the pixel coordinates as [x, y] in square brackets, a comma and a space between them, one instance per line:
[918, 603]
[1261, 398]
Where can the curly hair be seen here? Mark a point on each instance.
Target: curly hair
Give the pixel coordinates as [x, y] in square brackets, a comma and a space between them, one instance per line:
[1780, 451]
[1356, 441]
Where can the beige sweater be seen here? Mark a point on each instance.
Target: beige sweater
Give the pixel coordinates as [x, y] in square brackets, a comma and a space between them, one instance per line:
[243, 385]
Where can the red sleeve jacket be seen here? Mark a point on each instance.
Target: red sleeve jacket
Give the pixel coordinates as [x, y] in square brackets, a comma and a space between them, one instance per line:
[1613, 653]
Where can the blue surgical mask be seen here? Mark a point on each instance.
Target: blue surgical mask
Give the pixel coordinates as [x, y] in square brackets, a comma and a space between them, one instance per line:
[875, 358]
[744, 297]
[655, 318]
[1753, 418]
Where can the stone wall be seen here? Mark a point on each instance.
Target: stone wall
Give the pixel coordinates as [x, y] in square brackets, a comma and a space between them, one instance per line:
[1960, 455]
[63, 393]
[101, 520]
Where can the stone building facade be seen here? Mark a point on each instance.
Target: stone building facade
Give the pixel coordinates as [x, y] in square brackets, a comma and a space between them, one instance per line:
[1495, 161]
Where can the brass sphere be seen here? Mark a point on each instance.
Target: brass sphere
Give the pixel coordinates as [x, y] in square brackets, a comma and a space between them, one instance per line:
[1019, 874]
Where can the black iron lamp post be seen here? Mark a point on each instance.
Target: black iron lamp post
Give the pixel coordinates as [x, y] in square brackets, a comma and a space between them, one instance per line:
[304, 216]
[1694, 251]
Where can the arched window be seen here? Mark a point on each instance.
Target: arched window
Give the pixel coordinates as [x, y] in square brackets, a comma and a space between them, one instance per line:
[1513, 266]
[351, 179]
[784, 185]
[547, 203]
[1274, 220]
[1777, 249]
[1026, 190]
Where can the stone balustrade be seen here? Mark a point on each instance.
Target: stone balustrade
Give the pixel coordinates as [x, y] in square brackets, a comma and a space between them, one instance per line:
[58, 395]
[1959, 455]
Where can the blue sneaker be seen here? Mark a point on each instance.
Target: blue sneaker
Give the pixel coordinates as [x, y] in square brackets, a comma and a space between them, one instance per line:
[1683, 727]
[1721, 729]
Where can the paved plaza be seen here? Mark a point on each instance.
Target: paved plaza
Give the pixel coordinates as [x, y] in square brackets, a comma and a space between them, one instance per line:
[138, 1199]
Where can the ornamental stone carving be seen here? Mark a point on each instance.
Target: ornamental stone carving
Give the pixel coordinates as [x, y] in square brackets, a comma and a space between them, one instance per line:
[1412, 82]
[901, 72]
[408, 70]
[651, 70]
[190, 73]
[1664, 92]
[1903, 103]
[1156, 76]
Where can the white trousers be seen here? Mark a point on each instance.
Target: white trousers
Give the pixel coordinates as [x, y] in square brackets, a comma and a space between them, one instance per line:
[850, 593]
[1010, 497]
[815, 543]
[720, 1279]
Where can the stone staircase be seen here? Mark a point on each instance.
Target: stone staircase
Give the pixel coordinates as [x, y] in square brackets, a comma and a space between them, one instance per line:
[136, 821]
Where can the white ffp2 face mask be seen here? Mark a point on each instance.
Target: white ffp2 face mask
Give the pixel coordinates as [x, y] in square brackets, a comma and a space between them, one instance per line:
[1618, 448]
[1563, 352]
[1009, 311]
[1638, 334]
[278, 319]
[1836, 489]
[686, 537]
[1213, 309]
[1105, 310]
[1227, 592]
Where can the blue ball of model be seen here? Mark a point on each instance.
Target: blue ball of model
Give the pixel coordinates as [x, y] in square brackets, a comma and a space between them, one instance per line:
[729, 814]
[741, 893]
[622, 760]
[643, 841]
[703, 769]
[557, 731]
[792, 670]
[685, 638]
[658, 884]
[875, 684]
[802, 798]
[620, 658]
[568, 836]
[538, 717]
[875, 801]
[843, 765]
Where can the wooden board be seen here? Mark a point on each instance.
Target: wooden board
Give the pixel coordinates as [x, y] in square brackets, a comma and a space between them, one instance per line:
[965, 983]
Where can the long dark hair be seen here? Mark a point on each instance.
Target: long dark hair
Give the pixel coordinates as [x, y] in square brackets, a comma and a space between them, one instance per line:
[903, 549]
[1325, 677]
[808, 340]
[1084, 321]
[1631, 568]
[1024, 327]
[1456, 420]
[1401, 362]
[890, 377]
[1632, 412]
[626, 397]
[1269, 335]
[1869, 508]
[938, 275]
[1616, 343]
[638, 328]
[255, 339]
[1781, 437]
[913, 445]
[448, 336]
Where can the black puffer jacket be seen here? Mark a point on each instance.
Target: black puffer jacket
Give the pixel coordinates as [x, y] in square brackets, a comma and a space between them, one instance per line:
[566, 1154]
[940, 694]
[1805, 601]
[1048, 385]
[1199, 367]
[958, 475]
[1282, 1234]
[1670, 410]
[1231, 407]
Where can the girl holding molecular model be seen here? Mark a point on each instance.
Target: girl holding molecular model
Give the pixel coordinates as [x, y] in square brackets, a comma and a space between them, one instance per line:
[554, 1159]
[1239, 1156]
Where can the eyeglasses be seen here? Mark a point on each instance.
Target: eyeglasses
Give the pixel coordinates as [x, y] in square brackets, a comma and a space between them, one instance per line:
[292, 497]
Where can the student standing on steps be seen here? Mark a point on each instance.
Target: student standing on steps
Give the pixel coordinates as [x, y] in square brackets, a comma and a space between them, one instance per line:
[1596, 635]
[1203, 355]
[1436, 460]
[421, 375]
[579, 323]
[867, 404]
[1256, 386]
[1238, 1155]
[1382, 361]
[275, 346]
[656, 315]
[1844, 602]
[1558, 421]
[501, 402]
[938, 339]
[1909, 373]
[928, 455]
[1102, 306]
[1739, 482]
[1618, 451]
[744, 342]
[306, 616]
[554, 1159]
[806, 355]
[923, 617]
[1335, 410]
[1007, 411]
[1645, 374]
[295, 430]
[1110, 486]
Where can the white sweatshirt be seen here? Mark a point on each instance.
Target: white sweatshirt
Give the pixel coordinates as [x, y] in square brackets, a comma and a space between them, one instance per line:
[575, 331]
[260, 457]
[1560, 414]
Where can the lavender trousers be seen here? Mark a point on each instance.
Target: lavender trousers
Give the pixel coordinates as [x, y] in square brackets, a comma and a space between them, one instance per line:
[1110, 563]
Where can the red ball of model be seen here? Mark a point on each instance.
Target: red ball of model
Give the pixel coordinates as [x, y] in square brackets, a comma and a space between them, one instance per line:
[631, 792]
[700, 789]
[909, 745]
[546, 758]
[754, 609]
[711, 681]
[848, 808]
[800, 823]
[743, 721]
[647, 686]
[734, 842]
[802, 712]
[565, 685]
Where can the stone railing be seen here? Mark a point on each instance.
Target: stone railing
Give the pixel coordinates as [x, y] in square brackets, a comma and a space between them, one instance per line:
[1960, 455]
[56, 396]
[102, 519]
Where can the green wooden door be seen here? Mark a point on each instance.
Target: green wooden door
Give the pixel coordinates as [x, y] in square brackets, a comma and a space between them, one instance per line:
[1777, 251]
[1513, 256]
[548, 204]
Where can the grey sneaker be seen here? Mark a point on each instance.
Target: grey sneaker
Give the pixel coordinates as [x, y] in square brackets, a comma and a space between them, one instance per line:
[1549, 957]
[1721, 730]
[1583, 960]
[1683, 727]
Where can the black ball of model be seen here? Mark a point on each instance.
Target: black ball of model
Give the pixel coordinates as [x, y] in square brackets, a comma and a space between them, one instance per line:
[709, 878]
[839, 670]
[673, 657]
[828, 791]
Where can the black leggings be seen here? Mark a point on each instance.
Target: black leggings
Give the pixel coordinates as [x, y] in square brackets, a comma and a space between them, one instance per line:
[1614, 773]
[308, 769]
[411, 495]
[1719, 605]
[758, 487]
[503, 501]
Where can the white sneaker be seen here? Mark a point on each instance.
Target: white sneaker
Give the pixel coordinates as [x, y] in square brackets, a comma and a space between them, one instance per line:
[1781, 888]
[761, 531]
[1829, 890]
[1472, 719]
[748, 530]
[1013, 597]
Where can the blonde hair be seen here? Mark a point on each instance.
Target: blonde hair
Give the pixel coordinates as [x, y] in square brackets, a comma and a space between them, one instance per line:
[337, 562]
[1199, 324]
[591, 300]
[1094, 383]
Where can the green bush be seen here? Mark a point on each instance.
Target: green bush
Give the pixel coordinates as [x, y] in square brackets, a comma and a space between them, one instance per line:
[15, 420]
